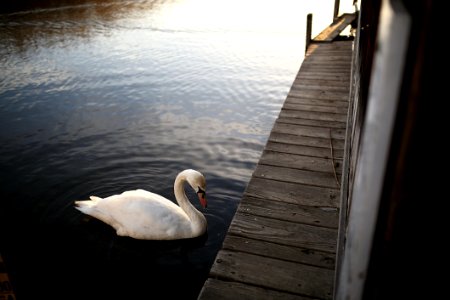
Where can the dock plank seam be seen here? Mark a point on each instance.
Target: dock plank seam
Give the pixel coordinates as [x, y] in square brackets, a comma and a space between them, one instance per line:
[284, 259]
[279, 219]
[265, 287]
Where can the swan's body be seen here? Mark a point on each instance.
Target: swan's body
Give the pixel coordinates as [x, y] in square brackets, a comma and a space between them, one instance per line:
[144, 215]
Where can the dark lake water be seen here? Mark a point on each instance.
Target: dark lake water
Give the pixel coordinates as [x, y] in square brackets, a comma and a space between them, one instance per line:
[99, 97]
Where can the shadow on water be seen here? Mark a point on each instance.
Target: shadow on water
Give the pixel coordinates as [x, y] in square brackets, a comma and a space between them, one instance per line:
[90, 262]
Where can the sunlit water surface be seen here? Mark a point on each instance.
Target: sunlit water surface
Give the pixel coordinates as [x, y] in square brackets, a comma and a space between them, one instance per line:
[98, 97]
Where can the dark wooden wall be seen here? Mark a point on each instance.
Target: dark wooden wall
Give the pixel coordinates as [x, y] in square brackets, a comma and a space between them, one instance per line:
[408, 245]
[404, 249]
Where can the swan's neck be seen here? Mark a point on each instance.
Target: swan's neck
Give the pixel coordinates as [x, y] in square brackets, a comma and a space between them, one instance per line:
[198, 220]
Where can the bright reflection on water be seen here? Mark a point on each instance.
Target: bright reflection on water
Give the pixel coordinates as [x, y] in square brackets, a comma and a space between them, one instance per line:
[105, 96]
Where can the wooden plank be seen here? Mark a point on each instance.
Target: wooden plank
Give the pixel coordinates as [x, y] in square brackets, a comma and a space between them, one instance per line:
[322, 81]
[326, 64]
[301, 86]
[301, 162]
[335, 28]
[317, 102]
[325, 69]
[309, 122]
[292, 193]
[228, 290]
[277, 251]
[298, 99]
[318, 179]
[305, 141]
[336, 45]
[330, 52]
[301, 130]
[316, 84]
[304, 150]
[324, 217]
[325, 51]
[319, 81]
[318, 94]
[330, 57]
[284, 233]
[312, 115]
[274, 274]
[317, 108]
[324, 75]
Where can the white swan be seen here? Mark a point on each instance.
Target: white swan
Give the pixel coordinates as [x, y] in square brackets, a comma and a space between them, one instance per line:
[144, 215]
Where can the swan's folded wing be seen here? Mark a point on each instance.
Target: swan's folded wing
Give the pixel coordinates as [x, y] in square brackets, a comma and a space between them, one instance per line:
[140, 215]
[145, 194]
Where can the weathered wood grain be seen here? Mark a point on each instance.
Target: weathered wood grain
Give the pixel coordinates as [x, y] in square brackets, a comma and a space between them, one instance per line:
[312, 131]
[316, 102]
[316, 108]
[312, 215]
[307, 81]
[301, 162]
[292, 193]
[306, 141]
[284, 232]
[318, 68]
[292, 175]
[331, 57]
[319, 52]
[324, 75]
[326, 64]
[332, 31]
[216, 289]
[335, 45]
[309, 63]
[282, 252]
[318, 94]
[304, 150]
[313, 115]
[274, 274]
[331, 88]
[312, 123]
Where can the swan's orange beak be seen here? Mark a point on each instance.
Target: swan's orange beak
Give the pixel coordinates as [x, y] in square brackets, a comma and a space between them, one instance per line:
[202, 199]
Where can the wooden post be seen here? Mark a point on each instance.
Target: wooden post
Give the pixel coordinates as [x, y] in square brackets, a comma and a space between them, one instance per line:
[6, 290]
[336, 9]
[308, 31]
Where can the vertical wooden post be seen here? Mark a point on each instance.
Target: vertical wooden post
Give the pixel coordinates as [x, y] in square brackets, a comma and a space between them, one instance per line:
[308, 31]
[336, 9]
[6, 290]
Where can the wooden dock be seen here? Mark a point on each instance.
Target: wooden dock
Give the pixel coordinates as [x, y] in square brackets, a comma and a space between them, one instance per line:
[281, 243]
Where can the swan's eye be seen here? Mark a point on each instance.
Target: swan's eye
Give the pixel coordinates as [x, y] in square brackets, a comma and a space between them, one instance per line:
[200, 191]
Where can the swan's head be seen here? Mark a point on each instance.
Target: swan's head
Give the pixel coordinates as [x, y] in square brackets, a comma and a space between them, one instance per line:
[197, 181]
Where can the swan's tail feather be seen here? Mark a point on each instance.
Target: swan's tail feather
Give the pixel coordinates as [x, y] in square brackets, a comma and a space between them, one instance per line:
[84, 206]
[90, 207]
